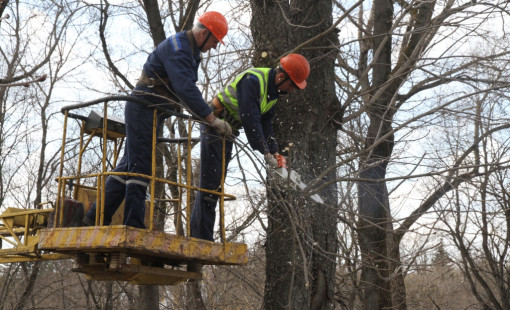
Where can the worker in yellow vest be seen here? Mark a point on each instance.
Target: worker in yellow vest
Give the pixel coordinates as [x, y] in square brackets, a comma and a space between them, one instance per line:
[247, 101]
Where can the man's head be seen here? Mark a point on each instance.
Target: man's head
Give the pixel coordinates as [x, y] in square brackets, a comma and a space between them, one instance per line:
[292, 73]
[210, 30]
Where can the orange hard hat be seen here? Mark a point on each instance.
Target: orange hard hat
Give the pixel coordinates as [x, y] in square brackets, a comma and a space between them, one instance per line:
[297, 67]
[216, 23]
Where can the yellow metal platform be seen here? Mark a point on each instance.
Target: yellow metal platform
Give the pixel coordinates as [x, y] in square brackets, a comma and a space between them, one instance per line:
[117, 252]
[140, 256]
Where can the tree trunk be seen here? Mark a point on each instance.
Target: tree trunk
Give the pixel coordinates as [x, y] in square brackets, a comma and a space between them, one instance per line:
[3, 6]
[30, 285]
[375, 226]
[157, 30]
[108, 305]
[194, 300]
[149, 297]
[301, 242]
[397, 282]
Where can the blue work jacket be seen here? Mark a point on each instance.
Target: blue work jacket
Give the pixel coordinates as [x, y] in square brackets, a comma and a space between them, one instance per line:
[174, 59]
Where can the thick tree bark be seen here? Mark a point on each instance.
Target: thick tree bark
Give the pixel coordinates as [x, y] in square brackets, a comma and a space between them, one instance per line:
[301, 237]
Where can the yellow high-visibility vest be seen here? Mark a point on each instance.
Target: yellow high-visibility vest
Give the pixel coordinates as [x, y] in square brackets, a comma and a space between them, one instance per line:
[228, 96]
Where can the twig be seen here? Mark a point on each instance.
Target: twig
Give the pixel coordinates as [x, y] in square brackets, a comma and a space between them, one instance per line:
[26, 84]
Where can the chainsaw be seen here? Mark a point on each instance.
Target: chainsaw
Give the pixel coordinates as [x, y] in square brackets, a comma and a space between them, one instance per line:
[294, 177]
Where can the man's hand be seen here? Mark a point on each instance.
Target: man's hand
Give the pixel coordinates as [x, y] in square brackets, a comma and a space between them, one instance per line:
[271, 160]
[222, 127]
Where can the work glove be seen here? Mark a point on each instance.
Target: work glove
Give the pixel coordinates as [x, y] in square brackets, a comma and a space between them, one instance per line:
[222, 127]
[271, 160]
[282, 161]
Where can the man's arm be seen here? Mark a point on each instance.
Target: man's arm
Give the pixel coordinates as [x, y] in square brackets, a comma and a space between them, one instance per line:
[182, 76]
[248, 90]
[267, 129]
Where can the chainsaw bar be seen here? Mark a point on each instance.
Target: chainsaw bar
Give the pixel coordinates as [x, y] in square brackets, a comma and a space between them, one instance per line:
[294, 177]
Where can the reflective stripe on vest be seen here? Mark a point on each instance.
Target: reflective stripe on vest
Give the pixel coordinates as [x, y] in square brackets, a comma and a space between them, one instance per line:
[228, 95]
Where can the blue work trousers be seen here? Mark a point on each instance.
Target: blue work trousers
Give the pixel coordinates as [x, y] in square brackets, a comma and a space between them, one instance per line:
[137, 159]
[204, 209]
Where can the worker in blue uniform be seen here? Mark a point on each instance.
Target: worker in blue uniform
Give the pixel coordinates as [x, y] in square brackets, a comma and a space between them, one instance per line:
[247, 101]
[169, 75]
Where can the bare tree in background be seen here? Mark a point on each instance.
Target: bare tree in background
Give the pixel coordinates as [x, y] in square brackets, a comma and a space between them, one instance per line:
[408, 67]
[36, 45]
[419, 133]
[476, 216]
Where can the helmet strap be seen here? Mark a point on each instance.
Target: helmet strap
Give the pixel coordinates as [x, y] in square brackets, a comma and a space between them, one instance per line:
[281, 82]
[205, 41]
[285, 79]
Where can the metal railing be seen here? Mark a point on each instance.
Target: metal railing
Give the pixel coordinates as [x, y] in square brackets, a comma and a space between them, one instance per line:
[183, 182]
